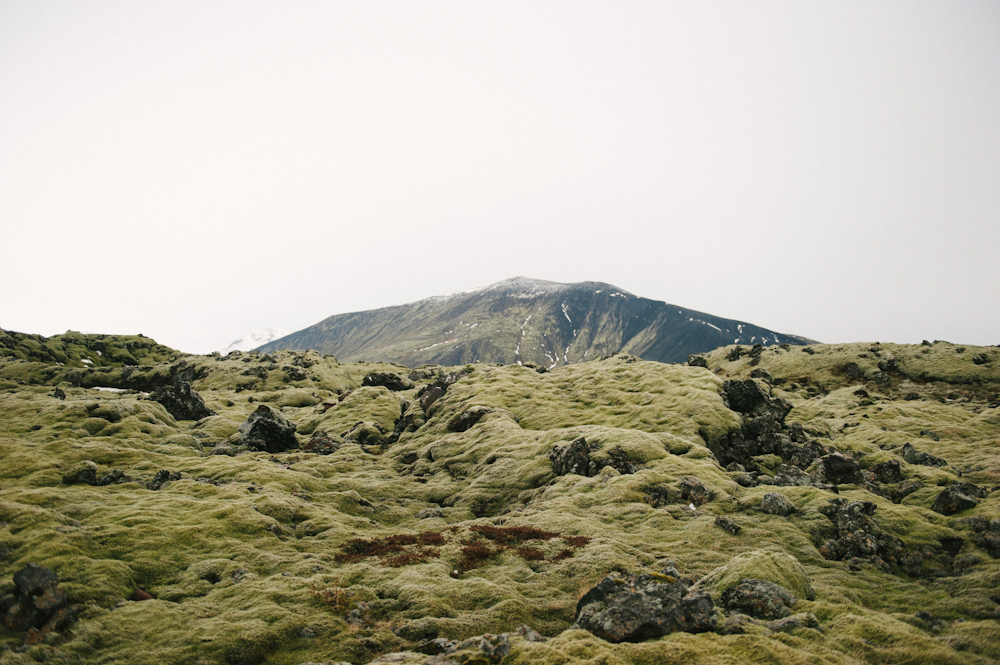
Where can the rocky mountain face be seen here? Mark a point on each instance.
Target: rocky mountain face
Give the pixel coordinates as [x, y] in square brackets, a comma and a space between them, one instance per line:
[521, 321]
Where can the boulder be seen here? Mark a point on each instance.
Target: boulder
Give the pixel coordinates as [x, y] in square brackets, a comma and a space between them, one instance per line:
[643, 607]
[573, 458]
[84, 473]
[38, 605]
[268, 430]
[389, 380]
[694, 491]
[958, 497]
[759, 599]
[163, 477]
[888, 472]
[468, 418]
[777, 504]
[913, 456]
[697, 361]
[861, 540]
[322, 443]
[727, 524]
[839, 469]
[181, 401]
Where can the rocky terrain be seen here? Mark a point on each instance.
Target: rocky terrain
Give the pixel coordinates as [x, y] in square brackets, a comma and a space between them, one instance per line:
[792, 504]
[522, 321]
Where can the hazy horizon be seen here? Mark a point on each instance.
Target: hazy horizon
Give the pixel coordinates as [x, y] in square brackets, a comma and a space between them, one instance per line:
[199, 172]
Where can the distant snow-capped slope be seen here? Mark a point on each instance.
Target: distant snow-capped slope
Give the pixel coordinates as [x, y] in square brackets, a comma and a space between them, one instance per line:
[253, 340]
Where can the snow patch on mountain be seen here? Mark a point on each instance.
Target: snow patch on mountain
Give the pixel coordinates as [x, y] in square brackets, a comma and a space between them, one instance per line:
[254, 339]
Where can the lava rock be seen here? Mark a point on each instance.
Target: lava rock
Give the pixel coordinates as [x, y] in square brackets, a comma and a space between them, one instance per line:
[322, 443]
[268, 430]
[888, 472]
[619, 460]
[913, 456]
[389, 380]
[777, 504]
[38, 605]
[84, 473]
[861, 540]
[762, 374]
[181, 401]
[697, 361]
[59, 393]
[759, 599]
[114, 477]
[728, 524]
[573, 458]
[980, 359]
[468, 418]
[840, 469]
[163, 477]
[803, 620]
[958, 497]
[694, 491]
[643, 607]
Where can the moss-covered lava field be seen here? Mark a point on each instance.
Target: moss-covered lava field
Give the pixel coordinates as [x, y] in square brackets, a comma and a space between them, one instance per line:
[413, 509]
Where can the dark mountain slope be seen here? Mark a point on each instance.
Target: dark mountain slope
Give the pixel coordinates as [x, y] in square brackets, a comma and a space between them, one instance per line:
[525, 320]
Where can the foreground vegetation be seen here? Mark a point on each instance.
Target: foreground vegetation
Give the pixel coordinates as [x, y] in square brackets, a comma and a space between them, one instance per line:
[402, 519]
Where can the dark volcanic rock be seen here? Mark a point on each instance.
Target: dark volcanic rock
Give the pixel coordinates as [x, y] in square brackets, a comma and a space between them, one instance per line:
[268, 430]
[911, 455]
[694, 491]
[759, 599]
[727, 524]
[58, 393]
[861, 540]
[888, 472]
[697, 361]
[38, 605]
[839, 469]
[84, 473]
[389, 380]
[468, 418]
[958, 497]
[322, 443]
[114, 477]
[619, 460]
[777, 504]
[643, 607]
[163, 477]
[573, 458]
[181, 401]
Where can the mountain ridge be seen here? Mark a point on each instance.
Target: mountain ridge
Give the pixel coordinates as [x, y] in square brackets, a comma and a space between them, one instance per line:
[523, 320]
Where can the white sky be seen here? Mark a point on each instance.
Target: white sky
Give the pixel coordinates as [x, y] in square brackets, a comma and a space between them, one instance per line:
[196, 171]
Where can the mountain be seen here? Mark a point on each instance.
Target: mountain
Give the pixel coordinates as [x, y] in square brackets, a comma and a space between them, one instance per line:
[253, 340]
[523, 320]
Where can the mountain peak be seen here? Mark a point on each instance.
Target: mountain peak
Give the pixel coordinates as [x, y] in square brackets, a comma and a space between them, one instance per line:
[523, 320]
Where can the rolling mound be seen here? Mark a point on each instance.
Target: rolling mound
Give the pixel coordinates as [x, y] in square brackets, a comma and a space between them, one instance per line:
[526, 321]
[814, 504]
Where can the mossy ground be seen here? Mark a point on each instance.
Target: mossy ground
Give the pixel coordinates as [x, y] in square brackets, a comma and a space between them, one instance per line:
[245, 554]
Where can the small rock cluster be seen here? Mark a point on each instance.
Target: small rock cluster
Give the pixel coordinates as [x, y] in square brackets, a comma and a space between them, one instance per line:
[575, 458]
[38, 606]
[859, 540]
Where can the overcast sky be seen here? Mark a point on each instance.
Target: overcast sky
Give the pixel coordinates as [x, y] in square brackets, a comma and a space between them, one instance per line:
[197, 171]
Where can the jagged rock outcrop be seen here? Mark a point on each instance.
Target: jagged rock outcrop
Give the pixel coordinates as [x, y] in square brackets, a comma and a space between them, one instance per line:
[643, 607]
[267, 430]
[759, 599]
[38, 605]
[181, 401]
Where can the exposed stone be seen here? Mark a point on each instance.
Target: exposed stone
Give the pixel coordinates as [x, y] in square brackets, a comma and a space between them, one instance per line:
[839, 469]
[759, 599]
[619, 460]
[861, 540]
[269, 431]
[322, 443]
[911, 455]
[697, 361]
[888, 472]
[181, 401]
[58, 393]
[643, 607]
[958, 497]
[694, 491]
[735, 353]
[468, 418]
[762, 374]
[389, 380]
[803, 620]
[84, 473]
[737, 624]
[163, 477]
[434, 391]
[980, 359]
[573, 458]
[777, 504]
[38, 605]
[428, 513]
[114, 477]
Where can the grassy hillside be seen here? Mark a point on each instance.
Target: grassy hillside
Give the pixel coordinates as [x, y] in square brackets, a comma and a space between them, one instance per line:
[423, 522]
